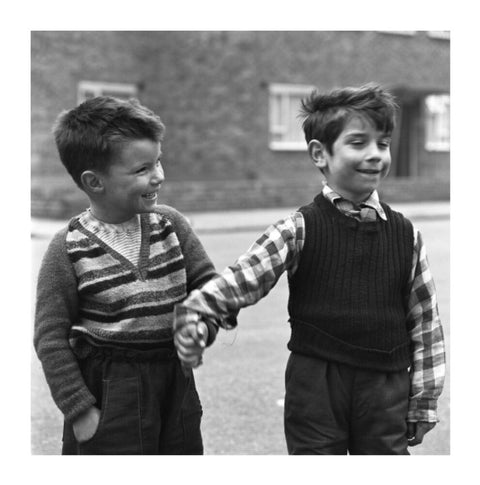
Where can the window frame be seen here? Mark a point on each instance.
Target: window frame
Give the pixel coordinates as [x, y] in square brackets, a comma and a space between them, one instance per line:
[124, 90]
[435, 145]
[284, 90]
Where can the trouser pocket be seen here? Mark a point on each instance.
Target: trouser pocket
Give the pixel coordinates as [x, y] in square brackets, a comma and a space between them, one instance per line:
[119, 430]
[147, 406]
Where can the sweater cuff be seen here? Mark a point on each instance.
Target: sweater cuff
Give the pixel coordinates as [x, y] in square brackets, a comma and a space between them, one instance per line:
[77, 404]
[182, 316]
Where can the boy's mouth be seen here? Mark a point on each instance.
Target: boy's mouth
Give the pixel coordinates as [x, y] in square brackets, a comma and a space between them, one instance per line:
[369, 171]
[150, 196]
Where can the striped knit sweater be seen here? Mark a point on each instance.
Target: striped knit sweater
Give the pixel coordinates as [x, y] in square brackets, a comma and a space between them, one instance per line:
[86, 289]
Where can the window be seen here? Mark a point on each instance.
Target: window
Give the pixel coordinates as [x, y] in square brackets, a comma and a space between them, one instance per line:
[284, 124]
[437, 122]
[90, 89]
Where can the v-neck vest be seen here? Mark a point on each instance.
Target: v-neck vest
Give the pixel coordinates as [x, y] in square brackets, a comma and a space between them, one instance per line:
[347, 297]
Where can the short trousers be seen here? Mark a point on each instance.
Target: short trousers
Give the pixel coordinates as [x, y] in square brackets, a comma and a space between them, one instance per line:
[335, 409]
[147, 405]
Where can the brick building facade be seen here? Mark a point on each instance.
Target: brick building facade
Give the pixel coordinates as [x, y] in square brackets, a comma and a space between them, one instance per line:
[224, 96]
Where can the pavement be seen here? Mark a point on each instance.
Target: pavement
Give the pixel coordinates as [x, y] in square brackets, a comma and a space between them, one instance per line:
[256, 219]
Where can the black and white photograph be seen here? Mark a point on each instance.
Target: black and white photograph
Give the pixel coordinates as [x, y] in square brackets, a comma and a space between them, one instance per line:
[240, 242]
[249, 234]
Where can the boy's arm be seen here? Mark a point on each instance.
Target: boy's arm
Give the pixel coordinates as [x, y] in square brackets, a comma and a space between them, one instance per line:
[427, 372]
[251, 278]
[56, 310]
[198, 265]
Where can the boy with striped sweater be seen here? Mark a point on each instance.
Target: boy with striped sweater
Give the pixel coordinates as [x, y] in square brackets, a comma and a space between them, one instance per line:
[107, 289]
[367, 361]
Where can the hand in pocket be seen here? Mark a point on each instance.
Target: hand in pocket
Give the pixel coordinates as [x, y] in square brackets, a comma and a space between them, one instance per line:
[86, 424]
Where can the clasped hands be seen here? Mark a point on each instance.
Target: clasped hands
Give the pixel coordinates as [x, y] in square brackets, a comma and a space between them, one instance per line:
[190, 338]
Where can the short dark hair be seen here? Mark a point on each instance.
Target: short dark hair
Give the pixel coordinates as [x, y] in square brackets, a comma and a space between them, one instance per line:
[88, 135]
[326, 114]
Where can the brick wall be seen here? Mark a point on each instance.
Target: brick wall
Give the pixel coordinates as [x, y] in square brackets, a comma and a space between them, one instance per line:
[211, 90]
[64, 200]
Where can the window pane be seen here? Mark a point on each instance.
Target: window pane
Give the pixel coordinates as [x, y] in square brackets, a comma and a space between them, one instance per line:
[276, 114]
[89, 94]
[285, 125]
[294, 128]
[90, 89]
[117, 94]
[437, 119]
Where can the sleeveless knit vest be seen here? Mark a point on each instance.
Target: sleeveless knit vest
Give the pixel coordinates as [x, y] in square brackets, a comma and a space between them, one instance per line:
[347, 297]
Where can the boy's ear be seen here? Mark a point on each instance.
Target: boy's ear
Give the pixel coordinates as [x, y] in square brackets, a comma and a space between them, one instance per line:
[317, 152]
[92, 183]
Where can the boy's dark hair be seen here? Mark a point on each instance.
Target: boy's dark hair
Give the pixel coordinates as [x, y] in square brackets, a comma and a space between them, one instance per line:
[88, 135]
[326, 114]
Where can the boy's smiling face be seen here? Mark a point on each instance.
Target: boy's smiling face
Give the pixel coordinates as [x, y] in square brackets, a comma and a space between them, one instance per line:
[360, 159]
[131, 182]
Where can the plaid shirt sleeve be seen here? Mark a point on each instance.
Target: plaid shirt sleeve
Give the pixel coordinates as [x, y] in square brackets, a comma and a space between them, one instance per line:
[251, 278]
[427, 373]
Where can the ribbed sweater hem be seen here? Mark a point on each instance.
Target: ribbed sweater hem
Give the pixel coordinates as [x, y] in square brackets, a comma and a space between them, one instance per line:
[310, 340]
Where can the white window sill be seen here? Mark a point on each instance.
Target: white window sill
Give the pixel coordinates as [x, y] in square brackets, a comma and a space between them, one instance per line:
[288, 146]
[437, 148]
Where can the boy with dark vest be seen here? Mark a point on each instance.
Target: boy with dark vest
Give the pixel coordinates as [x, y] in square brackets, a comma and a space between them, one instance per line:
[107, 288]
[367, 358]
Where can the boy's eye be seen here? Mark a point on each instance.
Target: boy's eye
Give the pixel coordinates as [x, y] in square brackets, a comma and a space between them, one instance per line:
[144, 169]
[384, 143]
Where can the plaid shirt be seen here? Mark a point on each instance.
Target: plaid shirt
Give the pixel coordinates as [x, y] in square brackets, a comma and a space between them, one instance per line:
[278, 250]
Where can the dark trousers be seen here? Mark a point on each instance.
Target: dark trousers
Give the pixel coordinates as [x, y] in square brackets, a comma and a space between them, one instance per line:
[147, 405]
[335, 409]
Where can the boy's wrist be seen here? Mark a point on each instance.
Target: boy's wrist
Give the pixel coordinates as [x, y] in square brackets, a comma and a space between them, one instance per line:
[77, 404]
[183, 316]
[422, 410]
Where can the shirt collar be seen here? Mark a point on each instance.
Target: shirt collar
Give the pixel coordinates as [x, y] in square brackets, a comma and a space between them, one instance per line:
[373, 200]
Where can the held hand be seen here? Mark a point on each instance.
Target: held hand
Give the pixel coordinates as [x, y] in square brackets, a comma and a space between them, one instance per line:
[86, 424]
[416, 431]
[190, 342]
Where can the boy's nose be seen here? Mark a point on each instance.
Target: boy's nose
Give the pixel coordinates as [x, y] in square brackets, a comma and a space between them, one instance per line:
[373, 152]
[158, 177]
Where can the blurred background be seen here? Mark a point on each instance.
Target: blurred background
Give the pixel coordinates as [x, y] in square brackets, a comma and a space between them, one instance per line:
[235, 161]
[230, 103]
